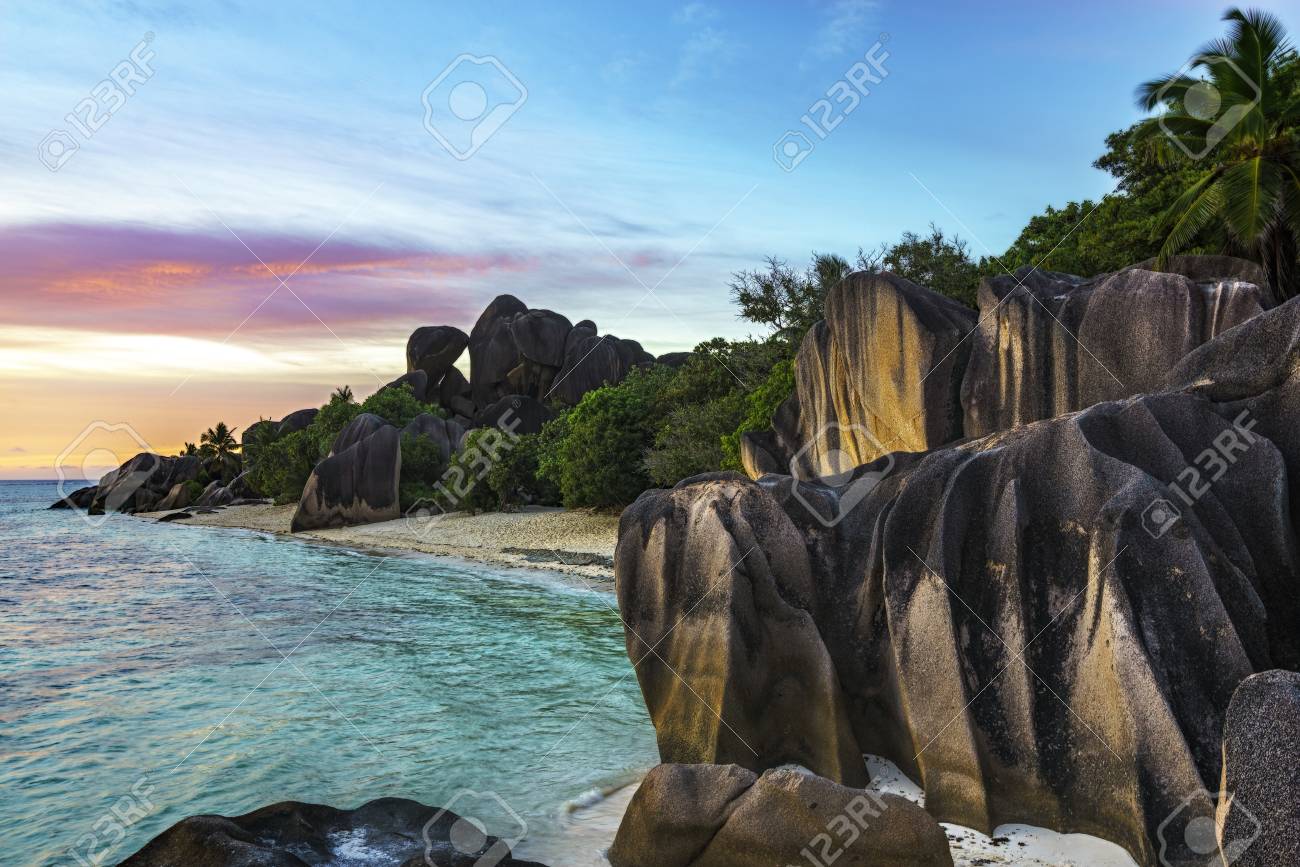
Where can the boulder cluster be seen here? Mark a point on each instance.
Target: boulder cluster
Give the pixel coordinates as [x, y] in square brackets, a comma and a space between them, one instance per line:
[522, 362]
[1058, 584]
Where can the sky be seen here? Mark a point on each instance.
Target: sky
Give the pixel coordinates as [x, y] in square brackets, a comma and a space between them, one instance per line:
[267, 198]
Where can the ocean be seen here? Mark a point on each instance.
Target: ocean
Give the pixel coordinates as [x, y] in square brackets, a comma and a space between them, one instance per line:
[143, 678]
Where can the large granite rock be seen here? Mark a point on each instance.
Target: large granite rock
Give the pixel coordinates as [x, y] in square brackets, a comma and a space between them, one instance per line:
[517, 413]
[296, 421]
[1011, 620]
[1259, 813]
[881, 373]
[726, 816]
[493, 352]
[434, 349]
[389, 832]
[356, 484]
[444, 433]
[592, 360]
[362, 425]
[81, 498]
[142, 482]
[1049, 344]
[422, 388]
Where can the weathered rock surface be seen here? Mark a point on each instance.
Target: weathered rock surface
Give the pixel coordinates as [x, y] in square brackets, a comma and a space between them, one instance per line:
[446, 434]
[296, 420]
[517, 413]
[1259, 818]
[361, 426]
[1049, 344]
[726, 816]
[391, 832]
[1002, 618]
[881, 373]
[434, 349]
[81, 498]
[214, 496]
[418, 382]
[357, 484]
[139, 484]
[178, 497]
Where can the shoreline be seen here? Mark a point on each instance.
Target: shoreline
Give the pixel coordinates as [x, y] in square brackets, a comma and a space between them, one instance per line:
[536, 538]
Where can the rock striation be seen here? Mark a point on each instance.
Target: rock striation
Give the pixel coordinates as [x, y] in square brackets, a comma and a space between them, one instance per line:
[1025, 623]
[895, 367]
[388, 832]
[358, 482]
[881, 373]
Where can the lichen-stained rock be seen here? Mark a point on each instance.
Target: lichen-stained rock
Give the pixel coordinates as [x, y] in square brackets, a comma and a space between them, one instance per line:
[356, 484]
[1005, 620]
[715, 588]
[726, 816]
[1259, 810]
[1049, 344]
[881, 373]
[434, 349]
[1214, 269]
[387, 832]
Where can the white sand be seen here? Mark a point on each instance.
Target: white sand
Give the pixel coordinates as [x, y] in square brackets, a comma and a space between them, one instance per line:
[557, 540]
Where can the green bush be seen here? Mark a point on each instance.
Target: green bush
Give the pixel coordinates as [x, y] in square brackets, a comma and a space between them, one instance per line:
[691, 439]
[422, 467]
[194, 489]
[397, 405]
[596, 456]
[332, 418]
[760, 406]
[283, 466]
[465, 485]
[514, 478]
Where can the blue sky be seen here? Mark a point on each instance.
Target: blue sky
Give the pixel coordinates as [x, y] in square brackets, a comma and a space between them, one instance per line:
[642, 153]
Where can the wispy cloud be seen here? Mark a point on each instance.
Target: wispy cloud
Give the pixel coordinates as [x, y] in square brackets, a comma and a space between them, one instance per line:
[846, 25]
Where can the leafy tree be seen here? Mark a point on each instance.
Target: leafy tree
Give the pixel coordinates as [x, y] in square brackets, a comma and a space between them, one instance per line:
[465, 485]
[332, 418]
[597, 457]
[691, 439]
[1240, 117]
[514, 478]
[189, 450]
[788, 301]
[934, 261]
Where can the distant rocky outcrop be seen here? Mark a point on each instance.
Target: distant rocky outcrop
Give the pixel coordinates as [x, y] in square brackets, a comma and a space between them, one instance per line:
[389, 832]
[358, 482]
[1034, 625]
[726, 816]
[139, 484]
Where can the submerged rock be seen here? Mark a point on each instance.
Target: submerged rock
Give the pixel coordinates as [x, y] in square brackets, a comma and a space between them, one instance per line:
[389, 832]
[726, 816]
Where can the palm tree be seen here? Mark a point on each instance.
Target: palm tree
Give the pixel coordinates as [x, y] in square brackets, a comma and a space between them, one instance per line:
[190, 449]
[219, 446]
[1239, 117]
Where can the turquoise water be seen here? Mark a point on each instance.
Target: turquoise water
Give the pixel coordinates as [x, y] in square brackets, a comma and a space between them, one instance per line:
[139, 670]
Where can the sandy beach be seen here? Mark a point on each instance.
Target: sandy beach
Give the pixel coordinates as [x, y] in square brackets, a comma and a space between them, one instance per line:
[557, 540]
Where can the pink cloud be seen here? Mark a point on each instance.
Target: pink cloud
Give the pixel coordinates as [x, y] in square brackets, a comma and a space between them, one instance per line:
[204, 283]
